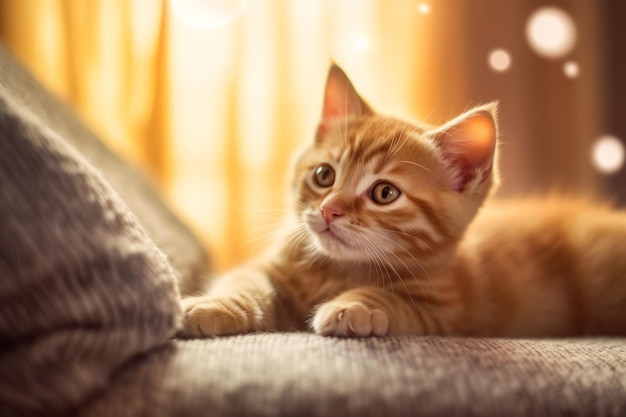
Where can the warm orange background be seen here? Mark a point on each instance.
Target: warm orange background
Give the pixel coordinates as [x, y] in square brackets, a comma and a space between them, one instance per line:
[215, 113]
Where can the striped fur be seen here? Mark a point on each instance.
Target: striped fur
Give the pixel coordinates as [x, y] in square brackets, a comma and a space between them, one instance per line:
[431, 261]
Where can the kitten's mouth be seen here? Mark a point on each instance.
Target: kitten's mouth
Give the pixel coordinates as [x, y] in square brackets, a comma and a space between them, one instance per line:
[331, 239]
[337, 242]
[332, 236]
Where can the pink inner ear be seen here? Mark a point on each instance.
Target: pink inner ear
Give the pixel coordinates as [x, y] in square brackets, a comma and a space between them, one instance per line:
[469, 144]
[477, 137]
[340, 97]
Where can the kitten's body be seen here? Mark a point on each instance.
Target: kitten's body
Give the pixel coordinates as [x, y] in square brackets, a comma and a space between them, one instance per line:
[549, 267]
[390, 239]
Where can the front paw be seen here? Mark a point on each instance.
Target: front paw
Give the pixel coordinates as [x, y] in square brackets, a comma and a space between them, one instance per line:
[349, 319]
[206, 316]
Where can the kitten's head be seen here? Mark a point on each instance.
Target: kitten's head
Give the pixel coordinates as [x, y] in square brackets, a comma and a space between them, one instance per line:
[374, 188]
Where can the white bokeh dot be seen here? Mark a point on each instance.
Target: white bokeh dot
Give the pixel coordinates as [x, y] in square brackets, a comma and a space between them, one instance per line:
[354, 45]
[607, 154]
[423, 8]
[361, 42]
[499, 60]
[571, 69]
[551, 32]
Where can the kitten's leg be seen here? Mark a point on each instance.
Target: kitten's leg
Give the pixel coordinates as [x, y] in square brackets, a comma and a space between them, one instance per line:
[240, 302]
[369, 311]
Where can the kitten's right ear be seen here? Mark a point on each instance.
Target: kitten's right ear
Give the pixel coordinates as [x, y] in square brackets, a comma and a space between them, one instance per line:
[340, 99]
[468, 144]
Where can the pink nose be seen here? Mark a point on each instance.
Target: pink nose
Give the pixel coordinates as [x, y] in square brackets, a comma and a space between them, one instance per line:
[330, 213]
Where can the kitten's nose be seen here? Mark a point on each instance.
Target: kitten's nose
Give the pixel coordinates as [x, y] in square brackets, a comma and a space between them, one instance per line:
[330, 213]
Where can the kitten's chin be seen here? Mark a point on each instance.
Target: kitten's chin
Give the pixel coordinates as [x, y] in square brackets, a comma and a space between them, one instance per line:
[335, 246]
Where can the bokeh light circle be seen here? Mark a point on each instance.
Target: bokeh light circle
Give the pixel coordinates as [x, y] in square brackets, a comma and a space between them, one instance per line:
[551, 32]
[361, 42]
[571, 69]
[607, 154]
[499, 60]
[208, 14]
[423, 8]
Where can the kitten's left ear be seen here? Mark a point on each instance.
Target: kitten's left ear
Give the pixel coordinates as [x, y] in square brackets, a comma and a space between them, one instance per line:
[468, 144]
[340, 98]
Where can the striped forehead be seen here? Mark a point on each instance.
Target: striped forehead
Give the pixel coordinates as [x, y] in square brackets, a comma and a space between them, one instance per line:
[364, 154]
[362, 165]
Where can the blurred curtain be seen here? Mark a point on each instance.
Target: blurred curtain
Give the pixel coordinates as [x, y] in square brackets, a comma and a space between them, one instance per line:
[103, 57]
[214, 112]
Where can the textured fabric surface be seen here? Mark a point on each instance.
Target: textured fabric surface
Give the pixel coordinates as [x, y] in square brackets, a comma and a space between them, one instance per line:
[187, 256]
[301, 374]
[82, 287]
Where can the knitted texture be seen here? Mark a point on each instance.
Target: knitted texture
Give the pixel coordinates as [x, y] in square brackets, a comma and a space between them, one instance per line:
[185, 253]
[82, 287]
[300, 374]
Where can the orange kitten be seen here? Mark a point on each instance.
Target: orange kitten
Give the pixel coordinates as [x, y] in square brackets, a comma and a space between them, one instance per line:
[389, 240]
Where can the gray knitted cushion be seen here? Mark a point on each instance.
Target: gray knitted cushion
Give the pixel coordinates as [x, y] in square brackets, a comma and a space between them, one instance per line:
[302, 374]
[82, 287]
[187, 256]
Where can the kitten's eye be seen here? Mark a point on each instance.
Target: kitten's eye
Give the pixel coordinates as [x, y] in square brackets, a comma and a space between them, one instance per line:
[384, 193]
[324, 175]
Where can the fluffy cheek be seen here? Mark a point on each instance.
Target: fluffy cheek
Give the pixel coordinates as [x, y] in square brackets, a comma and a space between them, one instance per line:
[313, 219]
[307, 199]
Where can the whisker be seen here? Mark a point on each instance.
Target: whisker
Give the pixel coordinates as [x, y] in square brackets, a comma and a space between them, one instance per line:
[377, 262]
[414, 277]
[425, 121]
[363, 248]
[403, 233]
[396, 141]
[361, 244]
[388, 264]
[297, 236]
[399, 148]
[419, 166]
[418, 263]
[406, 138]
[263, 234]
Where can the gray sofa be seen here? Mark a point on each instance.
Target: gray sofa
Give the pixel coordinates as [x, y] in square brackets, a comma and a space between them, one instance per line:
[91, 263]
